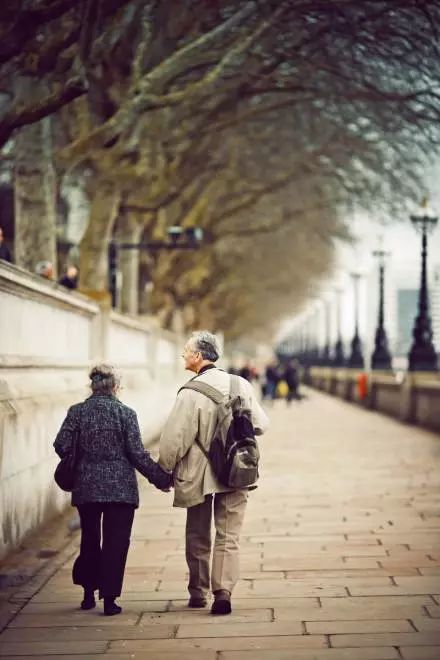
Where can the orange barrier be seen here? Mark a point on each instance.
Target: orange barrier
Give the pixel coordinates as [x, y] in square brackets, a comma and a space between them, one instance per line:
[362, 386]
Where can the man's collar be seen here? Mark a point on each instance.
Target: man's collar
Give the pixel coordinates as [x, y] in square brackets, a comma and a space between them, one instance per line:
[205, 368]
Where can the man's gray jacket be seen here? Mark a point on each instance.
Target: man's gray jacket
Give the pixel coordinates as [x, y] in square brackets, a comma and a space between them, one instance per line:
[194, 415]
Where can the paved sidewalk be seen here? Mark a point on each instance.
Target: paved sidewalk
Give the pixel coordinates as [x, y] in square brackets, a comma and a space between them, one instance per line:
[340, 558]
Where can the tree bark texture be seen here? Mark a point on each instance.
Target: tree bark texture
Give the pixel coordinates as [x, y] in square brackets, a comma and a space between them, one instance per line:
[104, 206]
[35, 194]
[129, 263]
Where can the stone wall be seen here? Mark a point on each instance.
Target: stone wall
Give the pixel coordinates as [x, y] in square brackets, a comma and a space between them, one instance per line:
[413, 398]
[49, 338]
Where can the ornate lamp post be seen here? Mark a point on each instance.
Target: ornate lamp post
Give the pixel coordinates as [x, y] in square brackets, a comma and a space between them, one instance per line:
[339, 358]
[316, 325]
[325, 357]
[356, 359]
[422, 355]
[381, 357]
[310, 336]
[304, 340]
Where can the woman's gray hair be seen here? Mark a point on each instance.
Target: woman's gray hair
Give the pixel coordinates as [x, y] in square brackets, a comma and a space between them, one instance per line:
[104, 379]
[207, 344]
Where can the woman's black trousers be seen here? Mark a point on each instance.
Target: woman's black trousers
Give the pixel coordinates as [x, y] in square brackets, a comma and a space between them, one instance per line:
[101, 563]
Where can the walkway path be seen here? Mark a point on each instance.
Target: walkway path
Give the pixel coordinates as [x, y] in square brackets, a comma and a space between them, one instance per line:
[340, 558]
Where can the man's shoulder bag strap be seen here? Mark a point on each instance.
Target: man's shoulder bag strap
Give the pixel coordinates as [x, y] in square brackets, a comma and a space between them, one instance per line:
[234, 386]
[204, 388]
[211, 392]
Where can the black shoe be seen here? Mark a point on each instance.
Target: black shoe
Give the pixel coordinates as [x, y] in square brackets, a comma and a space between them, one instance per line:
[110, 607]
[197, 602]
[222, 602]
[88, 602]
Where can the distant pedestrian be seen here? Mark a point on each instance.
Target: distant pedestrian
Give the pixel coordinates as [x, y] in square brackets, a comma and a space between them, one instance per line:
[105, 490]
[272, 378]
[292, 378]
[246, 372]
[45, 269]
[4, 250]
[70, 278]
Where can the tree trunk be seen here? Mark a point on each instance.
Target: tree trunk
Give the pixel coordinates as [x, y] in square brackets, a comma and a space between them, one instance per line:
[73, 191]
[129, 263]
[104, 205]
[34, 191]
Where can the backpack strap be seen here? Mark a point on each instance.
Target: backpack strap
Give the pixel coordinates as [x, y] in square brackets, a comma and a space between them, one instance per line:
[234, 386]
[211, 392]
[204, 388]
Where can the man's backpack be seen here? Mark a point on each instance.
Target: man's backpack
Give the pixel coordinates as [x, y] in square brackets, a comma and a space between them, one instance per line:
[233, 453]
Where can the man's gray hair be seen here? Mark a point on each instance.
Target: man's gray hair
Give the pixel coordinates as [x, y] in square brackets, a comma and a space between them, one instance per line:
[207, 344]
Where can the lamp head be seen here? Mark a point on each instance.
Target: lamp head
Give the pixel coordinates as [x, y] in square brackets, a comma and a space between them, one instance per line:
[381, 255]
[425, 219]
[194, 234]
[174, 233]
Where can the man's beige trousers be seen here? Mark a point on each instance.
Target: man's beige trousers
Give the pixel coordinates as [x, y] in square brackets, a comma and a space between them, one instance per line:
[229, 511]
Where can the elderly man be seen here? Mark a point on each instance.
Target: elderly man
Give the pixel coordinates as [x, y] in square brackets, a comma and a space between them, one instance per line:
[195, 486]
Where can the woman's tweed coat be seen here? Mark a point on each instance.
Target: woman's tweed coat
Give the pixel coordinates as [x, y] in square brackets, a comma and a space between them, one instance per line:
[110, 447]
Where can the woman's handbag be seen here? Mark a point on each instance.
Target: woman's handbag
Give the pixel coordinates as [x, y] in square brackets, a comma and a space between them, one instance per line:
[66, 468]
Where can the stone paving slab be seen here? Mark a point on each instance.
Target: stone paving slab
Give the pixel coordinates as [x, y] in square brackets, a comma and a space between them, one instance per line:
[386, 639]
[91, 633]
[223, 643]
[355, 626]
[420, 653]
[202, 617]
[193, 654]
[340, 558]
[327, 654]
[52, 648]
[299, 605]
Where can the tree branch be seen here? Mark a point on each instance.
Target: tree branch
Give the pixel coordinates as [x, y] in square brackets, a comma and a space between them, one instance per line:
[28, 23]
[20, 115]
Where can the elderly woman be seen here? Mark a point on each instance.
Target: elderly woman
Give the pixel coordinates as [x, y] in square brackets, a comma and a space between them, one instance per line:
[105, 490]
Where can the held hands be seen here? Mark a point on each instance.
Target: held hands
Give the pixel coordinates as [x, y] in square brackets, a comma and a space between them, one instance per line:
[171, 485]
[165, 482]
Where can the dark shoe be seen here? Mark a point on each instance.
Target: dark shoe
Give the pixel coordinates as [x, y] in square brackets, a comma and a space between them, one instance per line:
[197, 602]
[222, 602]
[88, 602]
[110, 607]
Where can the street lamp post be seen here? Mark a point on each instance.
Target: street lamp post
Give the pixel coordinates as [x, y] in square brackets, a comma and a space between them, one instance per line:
[315, 321]
[339, 358]
[422, 355]
[381, 357]
[180, 238]
[304, 340]
[326, 351]
[356, 359]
